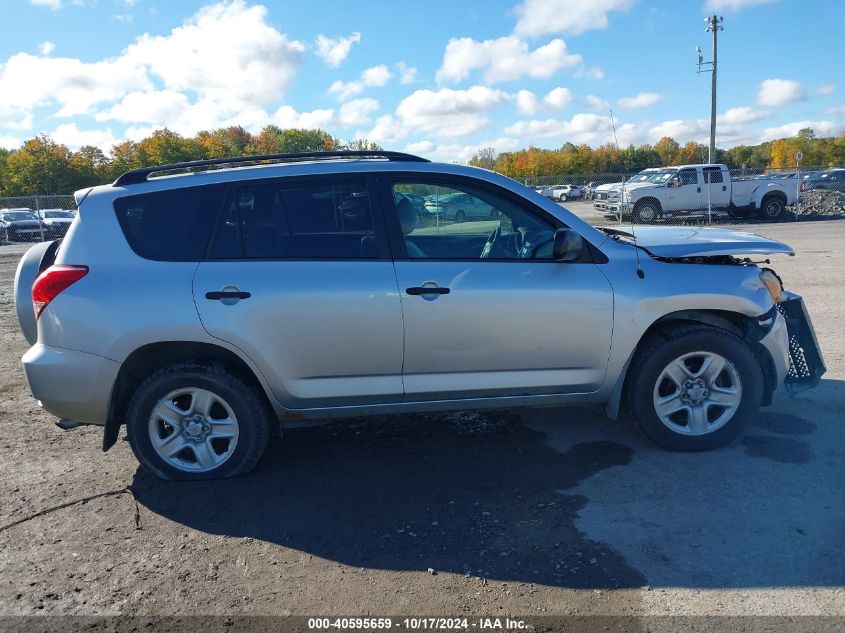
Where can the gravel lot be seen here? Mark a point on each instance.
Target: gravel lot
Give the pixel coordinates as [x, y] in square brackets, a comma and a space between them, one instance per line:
[554, 511]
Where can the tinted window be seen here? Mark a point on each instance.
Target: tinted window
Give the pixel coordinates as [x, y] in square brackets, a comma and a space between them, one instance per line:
[688, 176]
[713, 174]
[458, 222]
[293, 219]
[171, 225]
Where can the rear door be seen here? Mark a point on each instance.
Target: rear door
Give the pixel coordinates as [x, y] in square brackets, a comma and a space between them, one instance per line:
[716, 192]
[298, 276]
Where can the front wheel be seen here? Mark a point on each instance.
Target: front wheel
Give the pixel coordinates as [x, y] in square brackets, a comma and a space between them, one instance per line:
[646, 213]
[694, 388]
[191, 421]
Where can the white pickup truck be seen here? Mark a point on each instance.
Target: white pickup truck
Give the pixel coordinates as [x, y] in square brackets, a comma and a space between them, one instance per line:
[695, 190]
[609, 193]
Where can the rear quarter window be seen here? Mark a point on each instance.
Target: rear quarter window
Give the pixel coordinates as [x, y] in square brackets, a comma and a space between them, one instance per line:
[171, 225]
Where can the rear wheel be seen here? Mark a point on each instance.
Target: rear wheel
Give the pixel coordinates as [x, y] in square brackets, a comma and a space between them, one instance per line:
[191, 421]
[773, 207]
[460, 216]
[694, 388]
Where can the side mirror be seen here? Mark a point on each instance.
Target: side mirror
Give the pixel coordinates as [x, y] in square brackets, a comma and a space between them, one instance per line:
[568, 245]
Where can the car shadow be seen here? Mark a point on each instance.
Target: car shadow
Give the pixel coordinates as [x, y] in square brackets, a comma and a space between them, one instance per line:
[565, 499]
[477, 494]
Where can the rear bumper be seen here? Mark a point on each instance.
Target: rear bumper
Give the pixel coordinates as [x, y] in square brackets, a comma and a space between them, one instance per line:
[70, 384]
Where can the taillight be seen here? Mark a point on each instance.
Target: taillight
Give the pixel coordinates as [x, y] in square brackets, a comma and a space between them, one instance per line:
[52, 282]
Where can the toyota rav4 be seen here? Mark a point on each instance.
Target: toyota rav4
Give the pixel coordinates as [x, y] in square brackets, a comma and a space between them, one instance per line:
[205, 307]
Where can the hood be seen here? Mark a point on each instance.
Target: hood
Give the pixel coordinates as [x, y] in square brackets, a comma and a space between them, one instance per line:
[608, 186]
[680, 241]
[642, 185]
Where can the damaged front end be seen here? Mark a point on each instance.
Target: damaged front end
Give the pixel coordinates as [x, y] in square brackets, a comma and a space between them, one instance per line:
[806, 364]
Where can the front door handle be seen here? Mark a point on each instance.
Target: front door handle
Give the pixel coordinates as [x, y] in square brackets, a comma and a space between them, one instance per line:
[427, 290]
[227, 294]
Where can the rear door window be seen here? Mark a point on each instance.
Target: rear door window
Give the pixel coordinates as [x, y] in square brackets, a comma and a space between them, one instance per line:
[297, 219]
[172, 225]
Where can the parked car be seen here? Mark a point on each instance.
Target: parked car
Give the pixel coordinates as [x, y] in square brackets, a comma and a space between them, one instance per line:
[693, 190]
[565, 192]
[202, 309]
[833, 179]
[459, 207]
[20, 224]
[56, 221]
[610, 193]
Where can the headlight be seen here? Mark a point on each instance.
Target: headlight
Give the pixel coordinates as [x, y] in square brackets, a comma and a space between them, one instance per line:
[772, 282]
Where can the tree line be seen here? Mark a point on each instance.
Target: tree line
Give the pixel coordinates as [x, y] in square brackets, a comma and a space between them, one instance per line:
[582, 159]
[42, 166]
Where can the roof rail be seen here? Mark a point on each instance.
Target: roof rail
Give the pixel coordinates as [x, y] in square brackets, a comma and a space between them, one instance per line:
[135, 176]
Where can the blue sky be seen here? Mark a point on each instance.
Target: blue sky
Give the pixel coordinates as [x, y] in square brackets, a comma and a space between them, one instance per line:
[440, 78]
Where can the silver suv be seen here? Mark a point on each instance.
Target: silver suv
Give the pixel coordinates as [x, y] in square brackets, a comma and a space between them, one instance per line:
[204, 306]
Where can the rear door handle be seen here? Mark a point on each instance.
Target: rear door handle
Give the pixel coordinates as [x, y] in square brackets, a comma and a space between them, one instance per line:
[427, 290]
[219, 295]
[699, 190]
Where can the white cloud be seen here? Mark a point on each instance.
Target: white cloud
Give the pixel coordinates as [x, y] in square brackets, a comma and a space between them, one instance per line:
[51, 4]
[10, 142]
[596, 103]
[407, 74]
[449, 113]
[732, 5]
[741, 115]
[455, 153]
[582, 128]
[357, 112]
[222, 65]
[287, 117]
[124, 18]
[778, 92]
[142, 107]
[46, 47]
[558, 98]
[70, 135]
[505, 59]
[642, 100]
[791, 129]
[527, 102]
[595, 73]
[827, 89]
[373, 77]
[542, 17]
[386, 130]
[333, 50]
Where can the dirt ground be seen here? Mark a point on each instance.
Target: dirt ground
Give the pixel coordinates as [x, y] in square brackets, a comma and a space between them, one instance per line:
[544, 512]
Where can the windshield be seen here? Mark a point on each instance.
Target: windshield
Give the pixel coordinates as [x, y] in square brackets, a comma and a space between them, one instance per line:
[662, 176]
[639, 178]
[17, 216]
[57, 214]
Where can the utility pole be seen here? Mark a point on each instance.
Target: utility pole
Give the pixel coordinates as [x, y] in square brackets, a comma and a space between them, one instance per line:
[714, 25]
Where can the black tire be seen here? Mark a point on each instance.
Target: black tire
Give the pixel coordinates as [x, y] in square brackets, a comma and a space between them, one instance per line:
[460, 216]
[773, 207]
[647, 212]
[249, 404]
[658, 351]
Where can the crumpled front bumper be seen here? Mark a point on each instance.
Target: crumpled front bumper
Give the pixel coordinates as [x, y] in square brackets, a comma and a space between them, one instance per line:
[806, 364]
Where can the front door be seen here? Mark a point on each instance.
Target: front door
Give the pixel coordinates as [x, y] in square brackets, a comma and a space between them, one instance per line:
[487, 312]
[299, 278]
[683, 192]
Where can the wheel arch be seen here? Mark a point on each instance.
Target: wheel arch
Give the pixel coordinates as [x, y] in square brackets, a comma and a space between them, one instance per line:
[651, 199]
[736, 323]
[148, 358]
[776, 193]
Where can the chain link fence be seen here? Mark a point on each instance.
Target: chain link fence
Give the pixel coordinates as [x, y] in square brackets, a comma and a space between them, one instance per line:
[658, 196]
[28, 219]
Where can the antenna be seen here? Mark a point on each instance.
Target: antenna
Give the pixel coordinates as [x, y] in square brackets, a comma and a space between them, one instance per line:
[640, 272]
